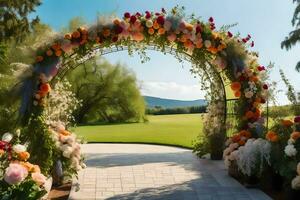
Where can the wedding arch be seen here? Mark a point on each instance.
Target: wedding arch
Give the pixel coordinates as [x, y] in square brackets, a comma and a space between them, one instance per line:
[222, 61]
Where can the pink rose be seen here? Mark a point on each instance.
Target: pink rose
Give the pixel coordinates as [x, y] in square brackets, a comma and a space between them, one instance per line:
[39, 178]
[15, 173]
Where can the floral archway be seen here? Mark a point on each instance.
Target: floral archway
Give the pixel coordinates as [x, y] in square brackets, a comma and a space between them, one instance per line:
[217, 55]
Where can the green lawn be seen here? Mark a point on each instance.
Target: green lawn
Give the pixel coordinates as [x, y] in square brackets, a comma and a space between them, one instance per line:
[177, 130]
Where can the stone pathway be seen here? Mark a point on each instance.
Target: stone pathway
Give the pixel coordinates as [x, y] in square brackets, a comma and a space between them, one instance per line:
[152, 172]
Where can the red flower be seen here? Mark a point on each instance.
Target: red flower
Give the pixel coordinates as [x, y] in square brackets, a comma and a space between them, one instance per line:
[138, 14]
[249, 37]
[198, 29]
[148, 15]
[252, 44]
[115, 39]
[229, 34]
[263, 101]
[265, 86]
[118, 29]
[297, 119]
[161, 20]
[211, 19]
[244, 40]
[127, 15]
[133, 19]
[261, 68]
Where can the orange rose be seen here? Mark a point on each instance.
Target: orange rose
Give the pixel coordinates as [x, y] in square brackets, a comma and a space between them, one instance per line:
[253, 78]
[235, 86]
[1, 152]
[242, 142]
[49, 52]
[161, 31]
[151, 31]
[45, 88]
[236, 138]
[106, 32]
[39, 58]
[56, 46]
[58, 53]
[65, 133]
[237, 94]
[249, 114]
[156, 25]
[27, 165]
[287, 123]
[245, 133]
[295, 135]
[68, 36]
[272, 136]
[76, 34]
[23, 155]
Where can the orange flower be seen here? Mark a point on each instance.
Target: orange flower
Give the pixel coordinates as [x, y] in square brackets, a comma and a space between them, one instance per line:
[242, 142]
[58, 53]
[235, 86]
[199, 45]
[253, 78]
[45, 88]
[245, 133]
[23, 155]
[56, 46]
[189, 27]
[36, 169]
[65, 133]
[151, 31]
[213, 50]
[161, 31]
[68, 36]
[236, 138]
[287, 123]
[155, 25]
[249, 114]
[106, 32]
[272, 136]
[1, 152]
[237, 94]
[76, 34]
[27, 165]
[295, 135]
[49, 52]
[39, 58]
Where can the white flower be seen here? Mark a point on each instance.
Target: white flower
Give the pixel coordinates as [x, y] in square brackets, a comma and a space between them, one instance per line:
[18, 132]
[67, 152]
[149, 23]
[298, 169]
[207, 43]
[291, 141]
[296, 183]
[7, 137]
[249, 94]
[19, 148]
[290, 150]
[83, 165]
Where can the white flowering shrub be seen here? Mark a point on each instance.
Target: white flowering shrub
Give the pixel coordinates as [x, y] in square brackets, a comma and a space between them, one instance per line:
[253, 157]
[62, 102]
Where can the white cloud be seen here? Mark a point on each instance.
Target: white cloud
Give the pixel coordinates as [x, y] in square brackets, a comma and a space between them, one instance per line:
[172, 90]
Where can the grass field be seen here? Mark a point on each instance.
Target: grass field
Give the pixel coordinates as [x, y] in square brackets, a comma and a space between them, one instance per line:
[177, 130]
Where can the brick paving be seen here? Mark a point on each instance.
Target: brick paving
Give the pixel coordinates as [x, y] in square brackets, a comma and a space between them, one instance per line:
[153, 172]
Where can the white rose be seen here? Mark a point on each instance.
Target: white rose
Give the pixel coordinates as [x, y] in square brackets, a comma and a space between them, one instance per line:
[7, 137]
[67, 153]
[18, 132]
[291, 141]
[19, 148]
[249, 94]
[290, 150]
[83, 165]
[78, 168]
[149, 23]
[296, 183]
[207, 43]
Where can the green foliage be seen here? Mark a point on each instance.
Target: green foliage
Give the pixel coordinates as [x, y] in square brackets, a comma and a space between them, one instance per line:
[41, 145]
[28, 190]
[201, 146]
[15, 23]
[294, 36]
[109, 93]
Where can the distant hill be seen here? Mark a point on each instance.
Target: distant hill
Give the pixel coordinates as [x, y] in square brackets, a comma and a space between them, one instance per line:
[172, 103]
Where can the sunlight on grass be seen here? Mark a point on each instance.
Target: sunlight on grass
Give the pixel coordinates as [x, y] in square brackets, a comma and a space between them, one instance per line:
[177, 130]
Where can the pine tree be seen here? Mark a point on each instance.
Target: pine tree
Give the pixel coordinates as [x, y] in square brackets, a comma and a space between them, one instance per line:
[294, 36]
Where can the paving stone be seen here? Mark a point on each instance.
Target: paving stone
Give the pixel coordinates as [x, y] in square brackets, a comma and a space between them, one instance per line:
[153, 172]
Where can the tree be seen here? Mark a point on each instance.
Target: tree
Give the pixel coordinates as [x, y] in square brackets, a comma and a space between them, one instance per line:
[14, 18]
[109, 93]
[294, 36]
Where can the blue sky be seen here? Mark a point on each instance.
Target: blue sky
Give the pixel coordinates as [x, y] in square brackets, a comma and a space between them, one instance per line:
[268, 21]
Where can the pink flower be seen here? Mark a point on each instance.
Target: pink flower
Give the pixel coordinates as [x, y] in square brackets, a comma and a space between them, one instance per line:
[39, 178]
[172, 37]
[15, 173]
